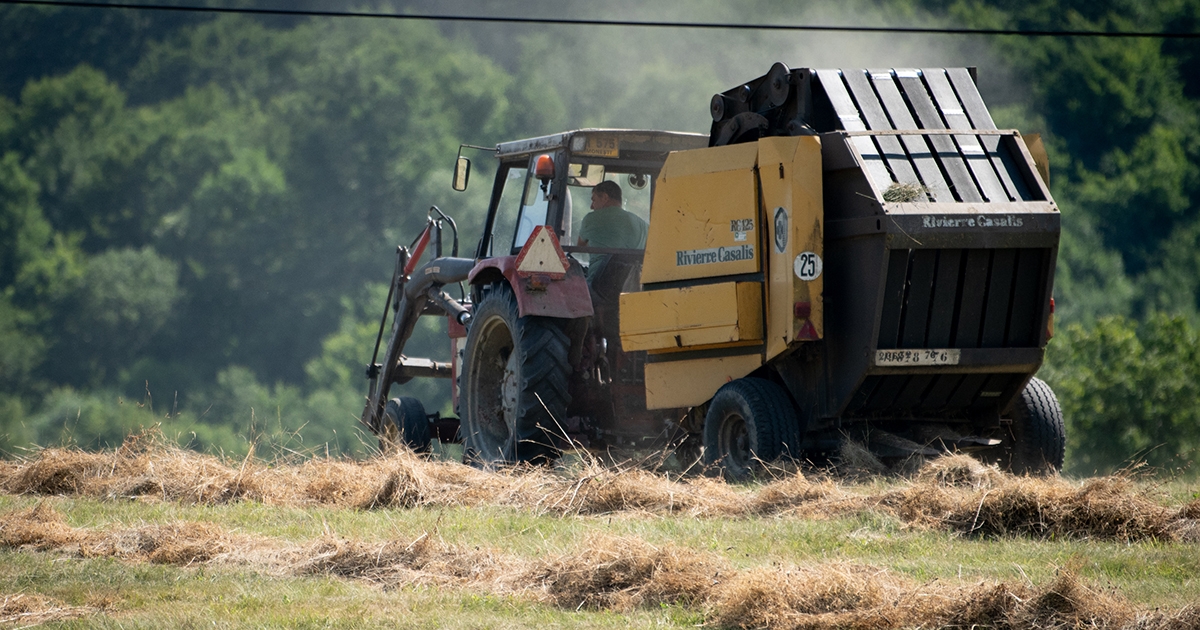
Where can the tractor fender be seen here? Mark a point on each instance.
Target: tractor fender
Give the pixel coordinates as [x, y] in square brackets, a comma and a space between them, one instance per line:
[537, 294]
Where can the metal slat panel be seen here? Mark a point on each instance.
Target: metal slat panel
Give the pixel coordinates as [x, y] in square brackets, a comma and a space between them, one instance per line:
[889, 389]
[917, 146]
[945, 294]
[973, 152]
[1002, 160]
[872, 111]
[939, 395]
[893, 299]
[863, 394]
[1000, 286]
[968, 390]
[970, 309]
[943, 146]
[992, 390]
[1027, 291]
[920, 290]
[914, 392]
[850, 120]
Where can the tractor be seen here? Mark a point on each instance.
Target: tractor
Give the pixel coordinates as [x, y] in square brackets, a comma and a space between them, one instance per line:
[847, 255]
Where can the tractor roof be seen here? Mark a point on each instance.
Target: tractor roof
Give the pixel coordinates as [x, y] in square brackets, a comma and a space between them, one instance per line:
[592, 141]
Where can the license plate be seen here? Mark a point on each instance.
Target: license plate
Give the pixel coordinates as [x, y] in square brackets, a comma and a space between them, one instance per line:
[930, 356]
[601, 147]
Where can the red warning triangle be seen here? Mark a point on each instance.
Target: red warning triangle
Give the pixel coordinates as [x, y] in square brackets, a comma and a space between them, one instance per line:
[542, 254]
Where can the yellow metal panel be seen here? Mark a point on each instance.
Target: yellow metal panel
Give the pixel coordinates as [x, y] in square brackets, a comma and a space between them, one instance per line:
[691, 316]
[790, 169]
[703, 220]
[750, 310]
[693, 382]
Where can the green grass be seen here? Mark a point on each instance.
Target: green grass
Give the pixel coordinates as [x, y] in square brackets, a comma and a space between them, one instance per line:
[157, 596]
[1149, 574]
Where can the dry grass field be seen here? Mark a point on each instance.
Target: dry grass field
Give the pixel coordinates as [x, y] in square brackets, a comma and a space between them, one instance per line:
[150, 535]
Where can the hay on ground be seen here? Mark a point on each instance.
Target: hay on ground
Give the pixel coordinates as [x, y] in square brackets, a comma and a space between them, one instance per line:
[622, 573]
[617, 574]
[953, 493]
[959, 471]
[30, 609]
[41, 527]
[855, 461]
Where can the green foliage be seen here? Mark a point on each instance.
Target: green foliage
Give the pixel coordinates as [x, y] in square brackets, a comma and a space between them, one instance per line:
[1128, 392]
[1090, 279]
[103, 419]
[204, 211]
[120, 302]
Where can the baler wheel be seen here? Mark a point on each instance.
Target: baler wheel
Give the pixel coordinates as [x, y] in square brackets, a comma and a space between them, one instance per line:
[405, 422]
[749, 421]
[1038, 441]
[513, 384]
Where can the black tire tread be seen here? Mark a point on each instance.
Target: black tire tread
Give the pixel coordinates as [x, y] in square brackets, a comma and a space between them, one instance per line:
[411, 425]
[768, 411]
[1039, 431]
[546, 374]
[545, 371]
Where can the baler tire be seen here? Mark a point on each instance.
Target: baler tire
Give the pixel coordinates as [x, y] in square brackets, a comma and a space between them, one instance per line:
[513, 393]
[1039, 437]
[750, 421]
[405, 422]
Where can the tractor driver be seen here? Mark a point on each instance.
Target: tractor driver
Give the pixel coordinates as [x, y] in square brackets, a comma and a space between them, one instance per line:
[609, 225]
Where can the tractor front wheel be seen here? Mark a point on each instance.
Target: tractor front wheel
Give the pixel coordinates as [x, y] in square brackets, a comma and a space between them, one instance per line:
[750, 421]
[405, 422]
[513, 385]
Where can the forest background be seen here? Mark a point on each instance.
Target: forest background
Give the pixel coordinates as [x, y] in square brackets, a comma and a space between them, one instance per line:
[199, 212]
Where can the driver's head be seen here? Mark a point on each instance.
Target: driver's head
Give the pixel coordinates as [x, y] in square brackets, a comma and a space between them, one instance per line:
[605, 194]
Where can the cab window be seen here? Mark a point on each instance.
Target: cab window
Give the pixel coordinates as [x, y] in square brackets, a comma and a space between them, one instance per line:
[533, 211]
[635, 195]
[507, 209]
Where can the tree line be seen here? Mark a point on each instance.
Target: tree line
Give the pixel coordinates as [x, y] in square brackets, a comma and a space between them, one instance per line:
[198, 213]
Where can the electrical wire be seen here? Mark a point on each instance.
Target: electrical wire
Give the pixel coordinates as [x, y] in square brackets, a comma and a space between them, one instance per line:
[893, 30]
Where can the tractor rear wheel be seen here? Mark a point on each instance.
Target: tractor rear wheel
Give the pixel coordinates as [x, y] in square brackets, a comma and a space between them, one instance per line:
[1038, 440]
[750, 421]
[405, 422]
[513, 387]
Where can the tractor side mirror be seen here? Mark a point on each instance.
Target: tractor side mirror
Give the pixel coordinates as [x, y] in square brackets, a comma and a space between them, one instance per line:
[462, 174]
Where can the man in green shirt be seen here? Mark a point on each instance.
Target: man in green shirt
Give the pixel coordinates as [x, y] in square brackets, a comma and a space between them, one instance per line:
[608, 225]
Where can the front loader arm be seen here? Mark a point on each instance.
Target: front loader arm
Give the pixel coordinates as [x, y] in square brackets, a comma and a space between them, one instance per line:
[415, 288]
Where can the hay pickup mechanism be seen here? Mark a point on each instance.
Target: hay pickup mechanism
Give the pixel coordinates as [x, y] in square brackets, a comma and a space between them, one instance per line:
[848, 254]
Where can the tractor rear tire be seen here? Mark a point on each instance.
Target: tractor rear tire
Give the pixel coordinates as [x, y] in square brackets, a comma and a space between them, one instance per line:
[513, 387]
[1039, 438]
[405, 422]
[749, 422]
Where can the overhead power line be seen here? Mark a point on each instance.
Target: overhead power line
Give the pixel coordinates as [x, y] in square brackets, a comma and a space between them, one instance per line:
[902, 30]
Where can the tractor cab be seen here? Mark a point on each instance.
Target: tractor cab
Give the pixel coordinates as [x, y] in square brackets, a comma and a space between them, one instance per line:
[538, 362]
[548, 181]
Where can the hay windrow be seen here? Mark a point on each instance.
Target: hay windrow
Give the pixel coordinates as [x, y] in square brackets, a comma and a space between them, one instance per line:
[40, 527]
[621, 573]
[605, 491]
[1106, 508]
[953, 493]
[425, 559]
[30, 609]
[184, 542]
[959, 471]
